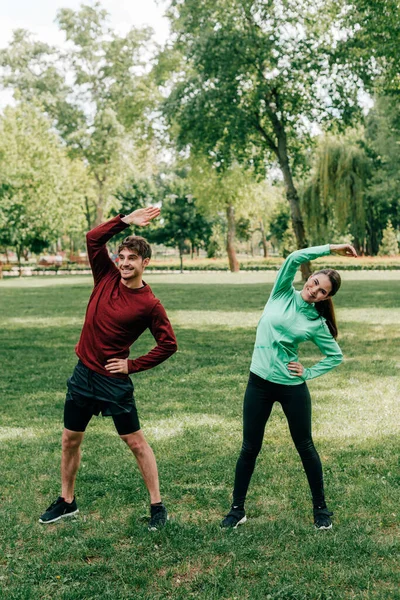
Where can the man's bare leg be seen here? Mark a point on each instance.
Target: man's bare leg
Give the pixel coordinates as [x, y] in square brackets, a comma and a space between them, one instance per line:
[146, 463]
[70, 460]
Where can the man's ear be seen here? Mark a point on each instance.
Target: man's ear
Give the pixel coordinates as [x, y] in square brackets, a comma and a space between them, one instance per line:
[146, 262]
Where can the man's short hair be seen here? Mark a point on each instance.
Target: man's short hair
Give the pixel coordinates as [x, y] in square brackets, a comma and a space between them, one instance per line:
[137, 243]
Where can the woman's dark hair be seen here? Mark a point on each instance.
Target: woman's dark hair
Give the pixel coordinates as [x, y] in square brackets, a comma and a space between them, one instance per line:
[138, 243]
[325, 307]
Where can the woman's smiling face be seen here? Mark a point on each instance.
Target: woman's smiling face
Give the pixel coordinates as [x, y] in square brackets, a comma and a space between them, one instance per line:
[316, 288]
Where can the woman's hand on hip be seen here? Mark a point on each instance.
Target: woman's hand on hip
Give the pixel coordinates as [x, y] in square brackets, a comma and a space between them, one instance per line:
[296, 369]
[343, 250]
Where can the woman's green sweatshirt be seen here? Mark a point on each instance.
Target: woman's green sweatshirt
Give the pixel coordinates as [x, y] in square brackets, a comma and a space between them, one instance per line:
[287, 321]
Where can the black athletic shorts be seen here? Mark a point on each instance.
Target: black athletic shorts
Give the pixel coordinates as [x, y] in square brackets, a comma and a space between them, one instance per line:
[90, 393]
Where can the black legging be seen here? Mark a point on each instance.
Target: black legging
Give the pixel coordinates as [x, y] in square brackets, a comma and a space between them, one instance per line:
[296, 403]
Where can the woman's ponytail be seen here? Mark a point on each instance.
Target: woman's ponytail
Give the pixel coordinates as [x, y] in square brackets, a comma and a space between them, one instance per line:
[326, 310]
[325, 307]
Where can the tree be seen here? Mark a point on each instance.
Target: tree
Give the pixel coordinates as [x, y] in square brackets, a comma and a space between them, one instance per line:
[181, 222]
[233, 191]
[255, 76]
[280, 231]
[354, 186]
[389, 244]
[382, 137]
[334, 199]
[40, 187]
[103, 113]
[375, 42]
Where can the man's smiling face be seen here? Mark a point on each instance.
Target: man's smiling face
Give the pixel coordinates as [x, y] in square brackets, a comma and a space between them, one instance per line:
[131, 265]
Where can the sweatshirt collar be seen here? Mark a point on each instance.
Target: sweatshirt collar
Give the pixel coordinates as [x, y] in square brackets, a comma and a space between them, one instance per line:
[142, 290]
[305, 306]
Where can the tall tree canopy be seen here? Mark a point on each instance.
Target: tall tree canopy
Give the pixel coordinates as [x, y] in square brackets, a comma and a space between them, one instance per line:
[355, 181]
[382, 134]
[375, 41]
[97, 92]
[254, 77]
[334, 200]
[41, 189]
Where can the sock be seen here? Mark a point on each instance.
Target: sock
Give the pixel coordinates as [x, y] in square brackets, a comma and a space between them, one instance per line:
[156, 507]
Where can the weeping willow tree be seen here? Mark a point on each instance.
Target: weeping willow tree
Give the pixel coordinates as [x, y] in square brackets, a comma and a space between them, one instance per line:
[333, 199]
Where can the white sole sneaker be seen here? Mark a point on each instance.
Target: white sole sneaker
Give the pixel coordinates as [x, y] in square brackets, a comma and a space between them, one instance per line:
[323, 527]
[240, 522]
[72, 514]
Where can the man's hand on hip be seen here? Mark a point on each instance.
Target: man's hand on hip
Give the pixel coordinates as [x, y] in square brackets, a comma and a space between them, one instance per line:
[142, 216]
[117, 365]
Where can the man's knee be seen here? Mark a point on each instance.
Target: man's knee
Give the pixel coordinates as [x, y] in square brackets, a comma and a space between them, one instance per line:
[71, 440]
[136, 442]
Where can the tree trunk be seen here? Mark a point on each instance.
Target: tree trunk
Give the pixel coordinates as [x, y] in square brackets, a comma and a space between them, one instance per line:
[274, 108]
[181, 258]
[87, 213]
[359, 246]
[293, 199]
[100, 201]
[263, 239]
[230, 241]
[18, 251]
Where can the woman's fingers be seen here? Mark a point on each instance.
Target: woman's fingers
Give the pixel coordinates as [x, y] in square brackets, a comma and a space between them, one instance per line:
[296, 368]
[344, 249]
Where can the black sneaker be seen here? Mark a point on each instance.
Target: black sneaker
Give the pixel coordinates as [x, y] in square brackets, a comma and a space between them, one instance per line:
[59, 510]
[234, 518]
[322, 518]
[158, 517]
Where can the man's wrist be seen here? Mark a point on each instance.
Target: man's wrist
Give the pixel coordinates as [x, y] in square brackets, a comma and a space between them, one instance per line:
[127, 219]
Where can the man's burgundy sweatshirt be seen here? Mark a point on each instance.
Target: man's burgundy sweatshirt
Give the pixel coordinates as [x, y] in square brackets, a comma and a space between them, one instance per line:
[117, 315]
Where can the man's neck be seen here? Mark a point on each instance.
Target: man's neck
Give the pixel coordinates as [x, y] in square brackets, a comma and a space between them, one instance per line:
[133, 284]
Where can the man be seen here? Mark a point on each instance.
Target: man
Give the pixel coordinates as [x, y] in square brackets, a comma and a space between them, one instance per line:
[121, 307]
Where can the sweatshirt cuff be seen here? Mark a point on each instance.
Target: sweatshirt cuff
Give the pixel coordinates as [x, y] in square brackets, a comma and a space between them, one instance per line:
[120, 217]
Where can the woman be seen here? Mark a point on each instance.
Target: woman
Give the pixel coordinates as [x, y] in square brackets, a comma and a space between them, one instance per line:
[289, 318]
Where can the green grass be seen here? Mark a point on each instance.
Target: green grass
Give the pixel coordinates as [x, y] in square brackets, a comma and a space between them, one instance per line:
[190, 409]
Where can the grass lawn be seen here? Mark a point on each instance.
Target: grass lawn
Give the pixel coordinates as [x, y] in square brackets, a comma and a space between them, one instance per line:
[190, 409]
